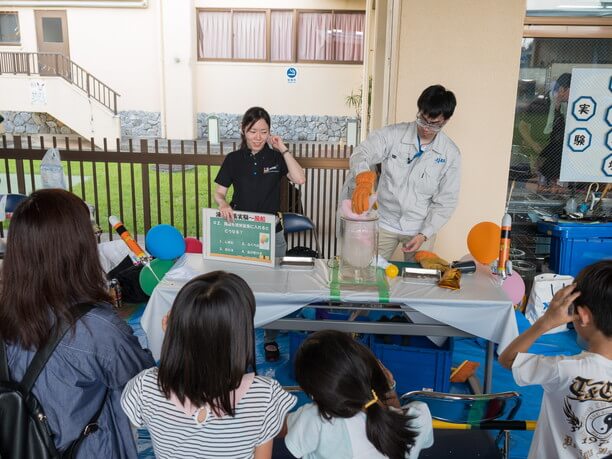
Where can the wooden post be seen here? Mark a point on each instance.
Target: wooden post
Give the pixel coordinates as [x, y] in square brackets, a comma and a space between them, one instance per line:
[146, 192]
[19, 166]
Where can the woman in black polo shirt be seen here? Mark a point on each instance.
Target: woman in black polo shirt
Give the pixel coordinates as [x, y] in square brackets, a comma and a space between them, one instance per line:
[255, 171]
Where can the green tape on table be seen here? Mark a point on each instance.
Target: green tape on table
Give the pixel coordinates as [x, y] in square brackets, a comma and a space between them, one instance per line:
[334, 284]
[381, 284]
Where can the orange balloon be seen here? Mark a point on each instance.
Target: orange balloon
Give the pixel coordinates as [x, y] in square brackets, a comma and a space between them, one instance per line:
[483, 242]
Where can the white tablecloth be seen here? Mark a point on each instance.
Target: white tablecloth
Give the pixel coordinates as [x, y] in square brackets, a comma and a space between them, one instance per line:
[480, 307]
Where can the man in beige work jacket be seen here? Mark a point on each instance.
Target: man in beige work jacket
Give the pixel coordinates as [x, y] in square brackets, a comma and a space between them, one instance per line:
[418, 187]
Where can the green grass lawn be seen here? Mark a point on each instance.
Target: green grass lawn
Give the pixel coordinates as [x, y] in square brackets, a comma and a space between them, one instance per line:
[114, 196]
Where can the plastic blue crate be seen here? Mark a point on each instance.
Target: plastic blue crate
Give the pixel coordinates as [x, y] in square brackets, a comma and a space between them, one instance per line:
[296, 338]
[576, 245]
[419, 365]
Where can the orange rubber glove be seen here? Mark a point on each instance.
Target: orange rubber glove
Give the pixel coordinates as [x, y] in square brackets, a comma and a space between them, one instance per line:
[364, 186]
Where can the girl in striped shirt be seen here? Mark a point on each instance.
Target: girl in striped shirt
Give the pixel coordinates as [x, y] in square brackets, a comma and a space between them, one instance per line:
[205, 399]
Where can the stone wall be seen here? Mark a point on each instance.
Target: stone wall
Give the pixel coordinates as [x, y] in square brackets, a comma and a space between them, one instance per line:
[135, 124]
[141, 124]
[313, 128]
[28, 123]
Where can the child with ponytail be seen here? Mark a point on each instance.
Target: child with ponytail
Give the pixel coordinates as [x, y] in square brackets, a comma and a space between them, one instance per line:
[353, 414]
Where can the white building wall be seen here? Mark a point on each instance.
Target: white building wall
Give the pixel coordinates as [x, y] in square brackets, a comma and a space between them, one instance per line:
[64, 101]
[121, 47]
[233, 87]
[146, 56]
[475, 53]
[320, 89]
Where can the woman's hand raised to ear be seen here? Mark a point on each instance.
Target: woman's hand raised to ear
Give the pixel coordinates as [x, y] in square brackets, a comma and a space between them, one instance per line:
[277, 143]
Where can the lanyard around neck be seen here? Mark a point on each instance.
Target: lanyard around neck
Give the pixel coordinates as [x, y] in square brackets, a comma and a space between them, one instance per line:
[418, 153]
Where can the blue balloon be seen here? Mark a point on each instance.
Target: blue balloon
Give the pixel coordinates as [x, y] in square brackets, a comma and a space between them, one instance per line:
[165, 242]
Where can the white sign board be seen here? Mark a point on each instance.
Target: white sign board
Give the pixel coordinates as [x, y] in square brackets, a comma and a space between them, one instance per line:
[587, 146]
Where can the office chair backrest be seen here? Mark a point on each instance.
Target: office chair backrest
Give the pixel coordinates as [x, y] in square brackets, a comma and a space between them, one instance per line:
[12, 201]
[296, 223]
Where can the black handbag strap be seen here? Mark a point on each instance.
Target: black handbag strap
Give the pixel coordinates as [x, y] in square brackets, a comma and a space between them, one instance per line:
[4, 374]
[38, 363]
[43, 354]
[91, 427]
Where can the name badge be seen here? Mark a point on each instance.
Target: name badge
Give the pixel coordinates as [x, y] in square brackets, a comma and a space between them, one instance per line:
[271, 170]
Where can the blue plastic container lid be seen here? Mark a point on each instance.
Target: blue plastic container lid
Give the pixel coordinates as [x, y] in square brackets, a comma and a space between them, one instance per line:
[576, 230]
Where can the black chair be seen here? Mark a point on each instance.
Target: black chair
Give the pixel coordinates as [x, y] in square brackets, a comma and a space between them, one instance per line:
[297, 223]
[461, 422]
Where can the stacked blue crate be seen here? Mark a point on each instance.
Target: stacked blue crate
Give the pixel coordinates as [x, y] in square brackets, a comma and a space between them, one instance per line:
[415, 361]
[574, 246]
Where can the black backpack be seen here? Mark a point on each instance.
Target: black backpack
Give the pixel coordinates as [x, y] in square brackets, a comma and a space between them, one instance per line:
[24, 431]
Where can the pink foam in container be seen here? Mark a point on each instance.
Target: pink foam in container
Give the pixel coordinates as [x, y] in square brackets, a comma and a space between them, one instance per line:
[347, 210]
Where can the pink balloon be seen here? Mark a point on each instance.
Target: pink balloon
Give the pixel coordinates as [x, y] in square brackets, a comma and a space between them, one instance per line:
[514, 286]
[193, 245]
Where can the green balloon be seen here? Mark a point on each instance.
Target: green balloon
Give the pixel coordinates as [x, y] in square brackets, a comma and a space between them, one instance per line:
[147, 280]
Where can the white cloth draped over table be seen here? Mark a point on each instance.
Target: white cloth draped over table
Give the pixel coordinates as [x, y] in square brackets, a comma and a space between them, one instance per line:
[480, 307]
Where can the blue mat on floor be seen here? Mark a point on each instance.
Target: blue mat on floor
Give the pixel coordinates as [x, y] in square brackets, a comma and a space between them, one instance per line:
[465, 349]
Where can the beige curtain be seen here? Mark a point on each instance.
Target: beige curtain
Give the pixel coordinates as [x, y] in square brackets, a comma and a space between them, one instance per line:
[281, 35]
[315, 38]
[348, 36]
[215, 35]
[242, 36]
[249, 35]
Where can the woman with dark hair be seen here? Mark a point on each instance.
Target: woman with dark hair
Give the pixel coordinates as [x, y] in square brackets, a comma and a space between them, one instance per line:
[205, 399]
[255, 171]
[353, 394]
[51, 264]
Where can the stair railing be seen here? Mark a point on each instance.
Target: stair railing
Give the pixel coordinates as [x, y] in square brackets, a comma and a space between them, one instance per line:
[56, 64]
